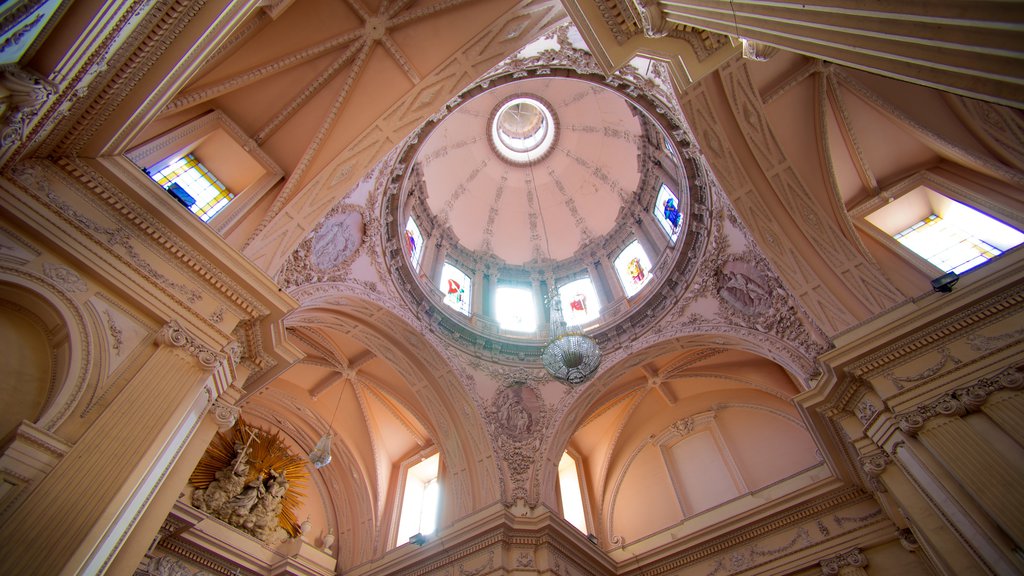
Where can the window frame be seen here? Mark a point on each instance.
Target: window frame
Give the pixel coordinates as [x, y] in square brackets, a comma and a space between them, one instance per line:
[537, 320]
[940, 185]
[404, 470]
[648, 271]
[581, 475]
[468, 289]
[159, 151]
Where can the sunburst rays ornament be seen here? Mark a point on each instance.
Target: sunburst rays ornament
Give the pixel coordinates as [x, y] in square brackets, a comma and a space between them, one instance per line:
[254, 453]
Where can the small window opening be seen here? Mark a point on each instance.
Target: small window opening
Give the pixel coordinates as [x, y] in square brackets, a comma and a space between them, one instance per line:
[579, 302]
[420, 500]
[570, 492]
[456, 287]
[192, 184]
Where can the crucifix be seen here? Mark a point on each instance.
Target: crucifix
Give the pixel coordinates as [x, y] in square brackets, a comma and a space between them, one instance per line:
[253, 433]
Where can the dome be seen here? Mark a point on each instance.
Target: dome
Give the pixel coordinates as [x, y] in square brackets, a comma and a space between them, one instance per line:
[543, 166]
[541, 202]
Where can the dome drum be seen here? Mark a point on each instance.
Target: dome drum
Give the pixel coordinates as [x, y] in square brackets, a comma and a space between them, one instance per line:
[521, 112]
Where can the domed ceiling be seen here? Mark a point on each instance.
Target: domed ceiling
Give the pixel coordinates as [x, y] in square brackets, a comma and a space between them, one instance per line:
[550, 203]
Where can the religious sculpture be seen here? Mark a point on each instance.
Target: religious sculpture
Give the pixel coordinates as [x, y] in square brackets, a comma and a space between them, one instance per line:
[251, 489]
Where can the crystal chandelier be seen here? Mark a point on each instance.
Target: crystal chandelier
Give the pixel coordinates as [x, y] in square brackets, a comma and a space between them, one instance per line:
[570, 356]
[320, 455]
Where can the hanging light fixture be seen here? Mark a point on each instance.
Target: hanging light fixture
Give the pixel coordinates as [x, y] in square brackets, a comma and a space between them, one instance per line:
[320, 455]
[570, 356]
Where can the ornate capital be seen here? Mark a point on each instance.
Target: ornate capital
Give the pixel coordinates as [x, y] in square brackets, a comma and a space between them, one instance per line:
[225, 414]
[874, 464]
[22, 95]
[851, 558]
[172, 334]
[962, 400]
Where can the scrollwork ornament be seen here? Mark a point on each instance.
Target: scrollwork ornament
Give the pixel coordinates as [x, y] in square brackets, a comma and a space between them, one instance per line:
[874, 464]
[224, 414]
[961, 401]
[911, 422]
[833, 565]
[172, 334]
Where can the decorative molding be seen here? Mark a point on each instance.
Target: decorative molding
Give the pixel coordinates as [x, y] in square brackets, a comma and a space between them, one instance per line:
[944, 358]
[835, 564]
[172, 334]
[24, 94]
[874, 464]
[225, 414]
[66, 278]
[962, 400]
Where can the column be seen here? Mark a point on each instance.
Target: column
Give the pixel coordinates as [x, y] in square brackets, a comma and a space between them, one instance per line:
[1006, 409]
[888, 38]
[79, 515]
[991, 477]
[957, 510]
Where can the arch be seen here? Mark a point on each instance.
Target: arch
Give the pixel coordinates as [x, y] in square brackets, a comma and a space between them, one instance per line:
[67, 334]
[435, 380]
[350, 493]
[581, 402]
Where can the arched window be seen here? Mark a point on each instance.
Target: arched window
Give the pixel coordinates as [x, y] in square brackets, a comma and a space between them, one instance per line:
[413, 243]
[516, 309]
[666, 211]
[421, 495]
[570, 492]
[456, 287]
[579, 301]
[633, 268]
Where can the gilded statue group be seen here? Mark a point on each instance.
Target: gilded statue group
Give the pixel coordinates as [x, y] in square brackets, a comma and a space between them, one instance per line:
[252, 506]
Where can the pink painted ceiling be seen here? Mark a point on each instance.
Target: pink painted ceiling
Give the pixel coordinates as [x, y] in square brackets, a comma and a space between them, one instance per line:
[580, 186]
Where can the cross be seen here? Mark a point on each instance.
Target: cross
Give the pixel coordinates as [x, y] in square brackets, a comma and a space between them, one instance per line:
[253, 433]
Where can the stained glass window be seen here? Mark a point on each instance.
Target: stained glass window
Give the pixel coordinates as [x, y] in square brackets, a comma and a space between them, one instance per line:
[666, 210]
[960, 240]
[413, 243]
[516, 309]
[456, 287]
[579, 301]
[194, 186]
[633, 268]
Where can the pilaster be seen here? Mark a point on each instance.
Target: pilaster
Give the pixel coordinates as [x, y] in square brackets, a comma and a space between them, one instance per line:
[97, 492]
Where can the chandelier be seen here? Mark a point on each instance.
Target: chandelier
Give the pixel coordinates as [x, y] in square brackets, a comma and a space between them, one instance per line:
[320, 455]
[570, 356]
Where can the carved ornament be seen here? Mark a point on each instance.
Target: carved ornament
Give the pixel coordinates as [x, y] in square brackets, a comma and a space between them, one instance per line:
[961, 401]
[835, 564]
[172, 334]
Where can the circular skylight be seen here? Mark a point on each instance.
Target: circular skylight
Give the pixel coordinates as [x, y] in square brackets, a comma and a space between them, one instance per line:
[523, 129]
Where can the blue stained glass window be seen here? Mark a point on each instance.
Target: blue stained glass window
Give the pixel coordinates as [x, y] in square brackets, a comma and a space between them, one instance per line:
[456, 287]
[666, 210]
[413, 243]
[194, 186]
[633, 268]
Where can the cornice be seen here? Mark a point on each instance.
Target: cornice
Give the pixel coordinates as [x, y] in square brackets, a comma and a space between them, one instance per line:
[981, 298]
[171, 245]
[829, 502]
[961, 401]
